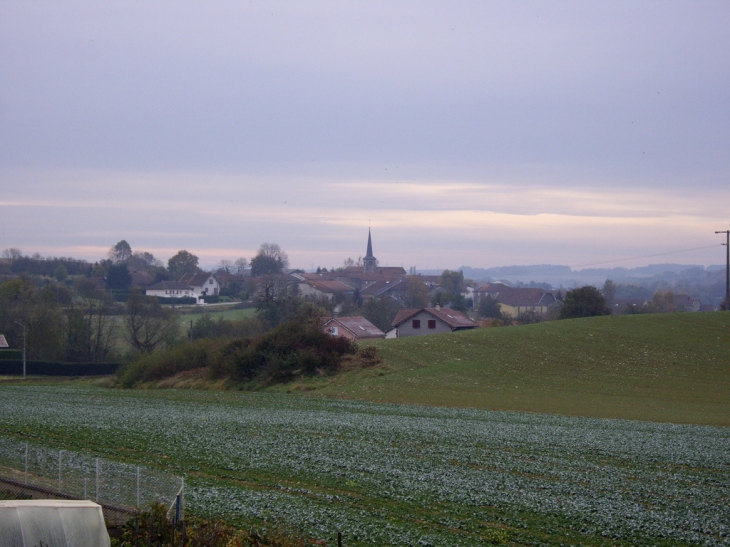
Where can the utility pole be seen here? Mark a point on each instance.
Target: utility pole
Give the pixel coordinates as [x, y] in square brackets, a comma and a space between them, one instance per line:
[727, 267]
[23, 325]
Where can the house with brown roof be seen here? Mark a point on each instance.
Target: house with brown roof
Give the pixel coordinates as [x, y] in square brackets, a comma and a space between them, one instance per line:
[353, 328]
[514, 301]
[420, 321]
[323, 288]
[142, 279]
[387, 286]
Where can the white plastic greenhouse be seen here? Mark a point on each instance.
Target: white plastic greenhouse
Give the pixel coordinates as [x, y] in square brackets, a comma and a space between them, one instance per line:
[52, 523]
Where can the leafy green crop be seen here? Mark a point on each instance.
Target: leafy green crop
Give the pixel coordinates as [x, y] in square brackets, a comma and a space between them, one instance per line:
[401, 475]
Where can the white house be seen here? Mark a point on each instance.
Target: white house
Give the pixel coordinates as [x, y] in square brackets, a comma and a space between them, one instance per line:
[170, 289]
[203, 283]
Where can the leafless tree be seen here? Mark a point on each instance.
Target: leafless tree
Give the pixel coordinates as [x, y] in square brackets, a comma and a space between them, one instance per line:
[147, 324]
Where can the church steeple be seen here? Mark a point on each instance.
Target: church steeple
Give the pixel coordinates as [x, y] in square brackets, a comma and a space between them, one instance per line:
[369, 262]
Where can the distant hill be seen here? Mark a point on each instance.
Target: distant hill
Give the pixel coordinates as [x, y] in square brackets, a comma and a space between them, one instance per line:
[565, 276]
[665, 367]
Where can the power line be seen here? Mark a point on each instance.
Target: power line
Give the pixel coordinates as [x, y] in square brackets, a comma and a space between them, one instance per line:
[646, 256]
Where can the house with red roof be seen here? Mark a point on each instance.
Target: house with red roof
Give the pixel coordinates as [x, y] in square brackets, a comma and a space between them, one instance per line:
[353, 328]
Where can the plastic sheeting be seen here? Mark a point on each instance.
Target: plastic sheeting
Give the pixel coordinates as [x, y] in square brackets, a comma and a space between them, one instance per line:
[52, 523]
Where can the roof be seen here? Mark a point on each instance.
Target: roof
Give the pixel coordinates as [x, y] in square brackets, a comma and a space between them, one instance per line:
[455, 319]
[525, 297]
[390, 270]
[324, 285]
[357, 325]
[493, 287]
[381, 286]
[169, 285]
[198, 278]
[141, 278]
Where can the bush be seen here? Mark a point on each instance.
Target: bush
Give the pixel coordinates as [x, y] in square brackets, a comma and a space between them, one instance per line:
[166, 363]
[11, 354]
[153, 527]
[292, 349]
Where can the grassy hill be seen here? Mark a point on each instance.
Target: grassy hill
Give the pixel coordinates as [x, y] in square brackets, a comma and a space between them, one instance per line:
[670, 368]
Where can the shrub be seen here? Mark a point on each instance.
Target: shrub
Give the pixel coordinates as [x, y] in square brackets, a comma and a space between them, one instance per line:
[292, 349]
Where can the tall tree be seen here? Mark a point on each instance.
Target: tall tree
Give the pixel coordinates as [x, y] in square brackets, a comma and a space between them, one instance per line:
[183, 262]
[489, 307]
[270, 260]
[416, 293]
[661, 302]
[118, 276]
[380, 312]
[276, 299]
[120, 252]
[584, 302]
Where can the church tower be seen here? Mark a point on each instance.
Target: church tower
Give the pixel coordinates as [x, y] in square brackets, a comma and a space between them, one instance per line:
[369, 262]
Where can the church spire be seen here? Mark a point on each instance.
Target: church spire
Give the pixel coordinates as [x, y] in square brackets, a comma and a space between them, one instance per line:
[369, 261]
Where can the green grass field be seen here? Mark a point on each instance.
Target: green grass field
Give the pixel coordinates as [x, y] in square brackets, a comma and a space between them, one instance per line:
[668, 368]
[226, 314]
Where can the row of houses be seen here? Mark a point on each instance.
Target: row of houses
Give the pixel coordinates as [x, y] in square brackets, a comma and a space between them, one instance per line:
[408, 322]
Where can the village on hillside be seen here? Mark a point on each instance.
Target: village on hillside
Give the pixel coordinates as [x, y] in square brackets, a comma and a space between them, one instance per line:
[361, 299]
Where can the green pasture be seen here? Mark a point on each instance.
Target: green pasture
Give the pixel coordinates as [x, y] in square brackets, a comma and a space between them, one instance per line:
[667, 367]
[231, 315]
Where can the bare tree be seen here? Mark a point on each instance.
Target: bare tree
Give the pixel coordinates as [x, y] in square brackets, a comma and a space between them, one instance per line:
[225, 266]
[240, 266]
[147, 324]
[91, 328]
[12, 254]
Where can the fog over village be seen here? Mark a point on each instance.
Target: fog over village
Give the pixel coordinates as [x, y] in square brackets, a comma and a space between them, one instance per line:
[403, 273]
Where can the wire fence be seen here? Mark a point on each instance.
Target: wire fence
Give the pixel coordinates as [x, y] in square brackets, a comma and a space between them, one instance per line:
[33, 471]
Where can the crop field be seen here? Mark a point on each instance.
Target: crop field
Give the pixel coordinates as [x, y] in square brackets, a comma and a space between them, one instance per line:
[398, 474]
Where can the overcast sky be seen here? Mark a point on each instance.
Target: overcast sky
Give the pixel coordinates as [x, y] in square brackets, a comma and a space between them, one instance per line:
[464, 133]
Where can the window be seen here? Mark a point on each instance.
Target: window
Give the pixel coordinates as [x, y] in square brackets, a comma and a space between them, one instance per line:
[431, 323]
[210, 281]
[416, 324]
[333, 331]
